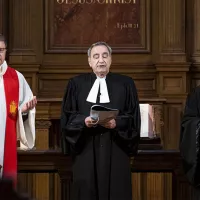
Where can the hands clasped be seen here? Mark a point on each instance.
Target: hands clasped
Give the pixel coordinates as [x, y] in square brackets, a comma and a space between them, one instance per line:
[110, 124]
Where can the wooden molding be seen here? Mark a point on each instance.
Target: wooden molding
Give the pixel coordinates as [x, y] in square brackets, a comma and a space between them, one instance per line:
[196, 30]
[171, 22]
[3, 17]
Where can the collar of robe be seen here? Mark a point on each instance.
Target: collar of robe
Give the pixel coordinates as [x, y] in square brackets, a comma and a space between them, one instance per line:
[104, 97]
[3, 69]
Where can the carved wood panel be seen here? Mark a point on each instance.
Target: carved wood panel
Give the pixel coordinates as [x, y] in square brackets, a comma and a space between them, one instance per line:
[72, 26]
[172, 83]
[195, 21]
[172, 118]
[155, 54]
[156, 175]
[25, 44]
[3, 17]
[171, 22]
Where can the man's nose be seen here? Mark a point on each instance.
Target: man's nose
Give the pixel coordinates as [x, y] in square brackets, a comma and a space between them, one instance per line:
[101, 59]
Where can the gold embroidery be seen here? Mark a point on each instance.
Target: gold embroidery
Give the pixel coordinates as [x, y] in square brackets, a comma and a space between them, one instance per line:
[13, 108]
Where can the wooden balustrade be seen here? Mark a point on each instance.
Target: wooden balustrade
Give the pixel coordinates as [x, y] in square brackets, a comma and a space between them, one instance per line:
[51, 162]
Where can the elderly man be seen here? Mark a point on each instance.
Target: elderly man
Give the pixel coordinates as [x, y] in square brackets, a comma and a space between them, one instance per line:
[17, 115]
[100, 151]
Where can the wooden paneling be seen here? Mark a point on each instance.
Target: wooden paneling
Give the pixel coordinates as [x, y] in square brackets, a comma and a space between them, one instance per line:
[172, 113]
[196, 30]
[156, 175]
[3, 16]
[21, 11]
[41, 186]
[172, 80]
[171, 22]
[42, 132]
[25, 39]
[127, 32]
[172, 83]
[145, 83]
[162, 55]
[52, 85]
[150, 186]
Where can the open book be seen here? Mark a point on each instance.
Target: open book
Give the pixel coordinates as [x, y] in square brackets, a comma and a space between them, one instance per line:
[103, 114]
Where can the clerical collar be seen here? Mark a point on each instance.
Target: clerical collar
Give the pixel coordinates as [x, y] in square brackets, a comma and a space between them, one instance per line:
[104, 97]
[3, 68]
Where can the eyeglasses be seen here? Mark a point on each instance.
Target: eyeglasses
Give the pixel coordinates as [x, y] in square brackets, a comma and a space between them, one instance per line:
[2, 50]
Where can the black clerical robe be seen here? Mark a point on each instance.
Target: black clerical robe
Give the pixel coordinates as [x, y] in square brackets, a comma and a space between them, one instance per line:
[101, 165]
[190, 140]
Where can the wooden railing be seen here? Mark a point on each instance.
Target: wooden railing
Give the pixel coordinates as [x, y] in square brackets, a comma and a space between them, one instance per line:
[146, 161]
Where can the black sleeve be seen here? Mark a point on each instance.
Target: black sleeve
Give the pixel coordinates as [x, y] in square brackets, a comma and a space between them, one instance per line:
[128, 123]
[72, 122]
[24, 116]
[189, 139]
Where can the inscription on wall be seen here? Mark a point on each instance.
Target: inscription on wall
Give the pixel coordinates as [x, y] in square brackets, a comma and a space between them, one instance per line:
[73, 25]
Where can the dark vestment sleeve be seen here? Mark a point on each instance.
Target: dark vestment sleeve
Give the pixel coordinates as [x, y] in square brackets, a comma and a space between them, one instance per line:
[24, 116]
[129, 121]
[72, 122]
[189, 138]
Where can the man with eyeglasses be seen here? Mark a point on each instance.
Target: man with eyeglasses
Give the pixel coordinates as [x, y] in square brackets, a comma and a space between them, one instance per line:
[100, 150]
[17, 115]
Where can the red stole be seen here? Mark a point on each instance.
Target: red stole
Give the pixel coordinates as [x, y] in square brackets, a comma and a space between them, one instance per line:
[11, 87]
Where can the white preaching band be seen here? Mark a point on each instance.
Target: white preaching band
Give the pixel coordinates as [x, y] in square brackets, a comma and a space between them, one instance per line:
[104, 97]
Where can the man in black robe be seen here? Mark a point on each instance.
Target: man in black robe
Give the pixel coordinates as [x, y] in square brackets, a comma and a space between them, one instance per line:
[100, 152]
[190, 140]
